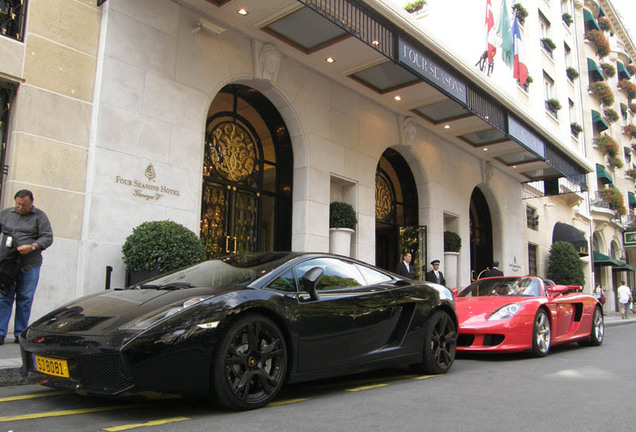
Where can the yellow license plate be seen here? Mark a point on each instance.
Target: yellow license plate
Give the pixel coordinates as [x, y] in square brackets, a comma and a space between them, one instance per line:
[51, 366]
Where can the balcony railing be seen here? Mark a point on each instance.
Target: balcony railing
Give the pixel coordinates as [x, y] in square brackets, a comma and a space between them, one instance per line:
[12, 18]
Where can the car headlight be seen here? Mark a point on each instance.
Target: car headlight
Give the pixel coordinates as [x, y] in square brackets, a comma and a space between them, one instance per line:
[505, 312]
[149, 320]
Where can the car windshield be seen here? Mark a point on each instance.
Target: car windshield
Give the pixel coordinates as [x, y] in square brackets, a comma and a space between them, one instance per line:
[232, 270]
[528, 287]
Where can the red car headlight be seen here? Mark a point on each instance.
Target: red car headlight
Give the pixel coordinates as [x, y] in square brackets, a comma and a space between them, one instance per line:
[505, 312]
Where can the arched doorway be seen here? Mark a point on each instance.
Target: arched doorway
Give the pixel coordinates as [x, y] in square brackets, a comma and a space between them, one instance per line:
[481, 250]
[247, 175]
[396, 215]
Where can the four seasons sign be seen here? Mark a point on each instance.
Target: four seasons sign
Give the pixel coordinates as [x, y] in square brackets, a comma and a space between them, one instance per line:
[147, 189]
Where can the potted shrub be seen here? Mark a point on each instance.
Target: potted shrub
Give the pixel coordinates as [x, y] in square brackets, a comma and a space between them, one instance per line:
[553, 105]
[608, 70]
[520, 12]
[603, 92]
[567, 19]
[452, 246]
[615, 199]
[564, 265]
[548, 45]
[600, 42]
[576, 129]
[342, 222]
[415, 6]
[158, 247]
[571, 73]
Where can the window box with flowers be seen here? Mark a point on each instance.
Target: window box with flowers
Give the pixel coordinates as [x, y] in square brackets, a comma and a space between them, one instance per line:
[526, 86]
[628, 87]
[632, 108]
[548, 45]
[630, 129]
[603, 92]
[615, 199]
[608, 70]
[520, 12]
[575, 129]
[615, 162]
[600, 42]
[571, 73]
[631, 173]
[567, 19]
[611, 115]
[607, 145]
[553, 105]
[605, 24]
[631, 69]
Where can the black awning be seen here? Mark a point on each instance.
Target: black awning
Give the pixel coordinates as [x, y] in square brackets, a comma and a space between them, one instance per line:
[567, 233]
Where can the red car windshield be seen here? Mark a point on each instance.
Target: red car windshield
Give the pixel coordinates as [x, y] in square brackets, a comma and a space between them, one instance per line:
[506, 286]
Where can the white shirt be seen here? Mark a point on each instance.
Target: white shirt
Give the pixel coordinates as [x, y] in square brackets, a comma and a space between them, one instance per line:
[623, 294]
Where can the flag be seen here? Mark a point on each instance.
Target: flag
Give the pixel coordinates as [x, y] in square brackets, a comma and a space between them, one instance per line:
[519, 69]
[491, 35]
[503, 31]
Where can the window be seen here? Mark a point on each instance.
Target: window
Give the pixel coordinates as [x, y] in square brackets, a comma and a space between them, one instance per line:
[373, 276]
[532, 219]
[546, 42]
[548, 86]
[12, 17]
[338, 274]
[532, 259]
[284, 282]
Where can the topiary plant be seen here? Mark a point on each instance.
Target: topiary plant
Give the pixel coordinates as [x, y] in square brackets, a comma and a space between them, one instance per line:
[452, 242]
[162, 246]
[342, 215]
[564, 265]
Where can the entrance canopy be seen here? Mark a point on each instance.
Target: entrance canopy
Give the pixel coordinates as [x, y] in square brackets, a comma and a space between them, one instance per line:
[568, 233]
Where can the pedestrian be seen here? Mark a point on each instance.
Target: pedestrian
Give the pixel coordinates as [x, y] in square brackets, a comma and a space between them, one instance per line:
[598, 294]
[493, 271]
[435, 275]
[624, 298]
[32, 233]
[404, 267]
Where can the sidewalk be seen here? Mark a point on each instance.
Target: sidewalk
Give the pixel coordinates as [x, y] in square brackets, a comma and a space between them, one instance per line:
[10, 360]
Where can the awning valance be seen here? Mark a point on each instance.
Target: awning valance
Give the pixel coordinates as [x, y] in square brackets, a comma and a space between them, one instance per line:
[590, 21]
[604, 260]
[624, 267]
[623, 73]
[602, 175]
[597, 72]
[568, 233]
[599, 123]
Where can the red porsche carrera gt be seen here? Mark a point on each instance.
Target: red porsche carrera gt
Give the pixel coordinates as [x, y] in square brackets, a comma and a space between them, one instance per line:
[513, 314]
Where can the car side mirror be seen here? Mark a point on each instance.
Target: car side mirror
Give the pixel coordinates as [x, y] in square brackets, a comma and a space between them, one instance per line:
[455, 291]
[310, 281]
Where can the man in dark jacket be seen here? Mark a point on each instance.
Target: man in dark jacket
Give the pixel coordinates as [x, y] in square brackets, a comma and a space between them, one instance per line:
[31, 232]
[435, 275]
[404, 267]
[494, 271]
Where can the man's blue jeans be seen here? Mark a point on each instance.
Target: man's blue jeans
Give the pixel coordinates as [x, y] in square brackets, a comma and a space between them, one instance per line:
[23, 293]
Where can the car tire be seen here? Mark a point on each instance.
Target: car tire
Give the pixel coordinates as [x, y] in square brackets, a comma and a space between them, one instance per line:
[597, 333]
[440, 342]
[249, 363]
[541, 334]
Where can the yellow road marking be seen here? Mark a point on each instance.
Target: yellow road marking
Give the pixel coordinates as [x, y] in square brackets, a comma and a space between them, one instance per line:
[285, 402]
[65, 413]
[33, 396]
[369, 387]
[424, 377]
[150, 423]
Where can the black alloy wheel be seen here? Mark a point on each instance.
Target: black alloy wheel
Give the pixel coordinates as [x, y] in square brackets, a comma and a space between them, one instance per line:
[440, 341]
[249, 364]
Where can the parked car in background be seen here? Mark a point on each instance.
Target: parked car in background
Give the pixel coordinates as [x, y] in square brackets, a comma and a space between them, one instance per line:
[513, 314]
[237, 328]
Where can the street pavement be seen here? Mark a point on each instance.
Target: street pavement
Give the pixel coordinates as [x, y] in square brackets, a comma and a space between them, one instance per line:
[10, 360]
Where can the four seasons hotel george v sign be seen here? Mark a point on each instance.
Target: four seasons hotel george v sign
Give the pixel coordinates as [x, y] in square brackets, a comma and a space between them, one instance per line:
[147, 189]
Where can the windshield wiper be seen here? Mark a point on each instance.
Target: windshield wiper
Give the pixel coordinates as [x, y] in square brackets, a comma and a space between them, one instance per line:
[170, 286]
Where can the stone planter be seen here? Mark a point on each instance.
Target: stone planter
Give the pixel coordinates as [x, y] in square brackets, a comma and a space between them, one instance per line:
[340, 241]
[451, 261]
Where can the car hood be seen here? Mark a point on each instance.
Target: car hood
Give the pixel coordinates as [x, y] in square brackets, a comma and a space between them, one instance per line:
[471, 308]
[107, 311]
